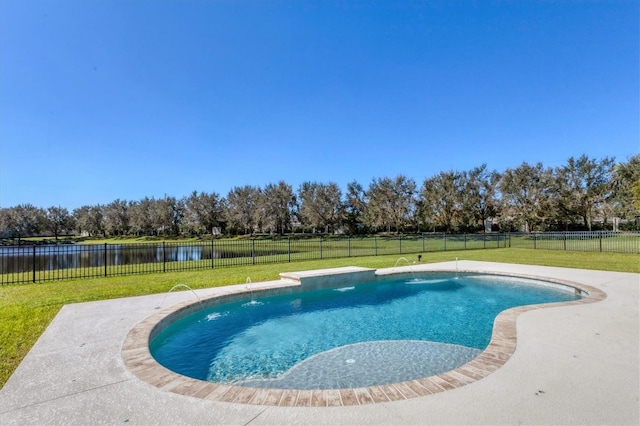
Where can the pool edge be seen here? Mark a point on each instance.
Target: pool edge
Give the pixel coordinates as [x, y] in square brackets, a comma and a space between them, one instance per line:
[139, 361]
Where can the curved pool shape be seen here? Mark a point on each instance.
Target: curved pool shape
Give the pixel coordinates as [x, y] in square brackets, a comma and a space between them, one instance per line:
[137, 357]
[369, 334]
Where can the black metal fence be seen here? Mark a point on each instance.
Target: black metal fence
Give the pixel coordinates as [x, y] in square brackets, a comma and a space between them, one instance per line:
[37, 263]
[596, 241]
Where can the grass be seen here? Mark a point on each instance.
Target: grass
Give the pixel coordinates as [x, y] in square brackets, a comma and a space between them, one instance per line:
[26, 310]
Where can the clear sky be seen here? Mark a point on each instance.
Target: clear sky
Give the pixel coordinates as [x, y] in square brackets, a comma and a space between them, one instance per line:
[103, 100]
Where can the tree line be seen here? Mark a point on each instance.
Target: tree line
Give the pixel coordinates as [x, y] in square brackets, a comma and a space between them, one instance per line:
[583, 194]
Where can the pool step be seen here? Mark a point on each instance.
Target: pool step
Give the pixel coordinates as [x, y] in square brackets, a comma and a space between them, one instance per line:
[333, 277]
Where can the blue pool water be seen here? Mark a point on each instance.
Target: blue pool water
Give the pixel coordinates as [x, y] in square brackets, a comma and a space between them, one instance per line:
[357, 335]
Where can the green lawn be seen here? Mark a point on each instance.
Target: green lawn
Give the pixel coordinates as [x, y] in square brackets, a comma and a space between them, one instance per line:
[26, 310]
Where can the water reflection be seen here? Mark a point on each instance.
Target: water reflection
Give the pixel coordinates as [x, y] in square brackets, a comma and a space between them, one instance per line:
[16, 259]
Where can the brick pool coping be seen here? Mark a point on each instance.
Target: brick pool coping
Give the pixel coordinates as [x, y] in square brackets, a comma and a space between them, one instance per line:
[138, 359]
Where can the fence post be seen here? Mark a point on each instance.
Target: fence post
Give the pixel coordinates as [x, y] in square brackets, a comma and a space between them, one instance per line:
[534, 241]
[400, 243]
[484, 240]
[423, 241]
[104, 258]
[34, 263]
[444, 236]
[465, 240]
[348, 246]
[375, 246]
[253, 252]
[564, 240]
[320, 247]
[289, 248]
[600, 236]
[164, 257]
[212, 254]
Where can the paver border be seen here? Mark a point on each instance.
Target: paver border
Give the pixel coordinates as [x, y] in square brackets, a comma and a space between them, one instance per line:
[138, 359]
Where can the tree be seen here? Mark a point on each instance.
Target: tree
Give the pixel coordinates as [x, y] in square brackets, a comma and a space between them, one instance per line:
[583, 187]
[277, 205]
[116, 217]
[625, 184]
[6, 226]
[355, 206]
[90, 220]
[23, 220]
[242, 209]
[203, 212]
[141, 216]
[526, 195]
[321, 205]
[167, 214]
[58, 220]
[441, 200]
[391, 202]
[636, 194]
[479, 202]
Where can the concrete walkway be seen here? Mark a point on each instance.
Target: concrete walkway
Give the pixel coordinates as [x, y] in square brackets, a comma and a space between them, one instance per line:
[573, 365]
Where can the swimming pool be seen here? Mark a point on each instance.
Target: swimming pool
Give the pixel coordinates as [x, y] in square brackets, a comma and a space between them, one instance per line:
[387, 330]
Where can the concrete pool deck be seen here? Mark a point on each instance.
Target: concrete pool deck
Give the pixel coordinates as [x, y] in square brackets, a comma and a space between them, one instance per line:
[572, 365]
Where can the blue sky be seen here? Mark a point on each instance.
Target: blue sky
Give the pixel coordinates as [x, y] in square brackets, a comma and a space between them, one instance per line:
[103, 100]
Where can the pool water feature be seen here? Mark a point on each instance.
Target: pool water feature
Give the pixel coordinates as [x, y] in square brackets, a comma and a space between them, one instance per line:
[394, 329]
